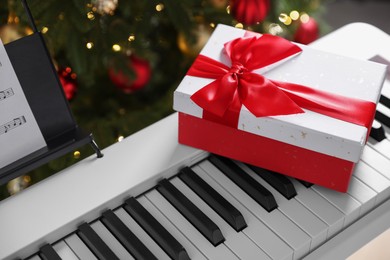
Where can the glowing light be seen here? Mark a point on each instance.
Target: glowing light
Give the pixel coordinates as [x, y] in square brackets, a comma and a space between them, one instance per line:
[159, 7]
[44, 29]
[120, 138]
[304, 18]
[283, 17]
[131, 38]
[288, 21]
[212, 25]
[275, 29]
[228, 9]
[116, 47]
[91, 15]
[294, 15]
[239, 25]
[89, 45]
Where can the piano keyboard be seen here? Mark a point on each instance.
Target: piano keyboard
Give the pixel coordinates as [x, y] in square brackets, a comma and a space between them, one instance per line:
[188, 204]
[218, 208]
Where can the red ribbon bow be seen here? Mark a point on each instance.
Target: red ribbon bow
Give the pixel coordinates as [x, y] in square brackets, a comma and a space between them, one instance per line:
[237, 85]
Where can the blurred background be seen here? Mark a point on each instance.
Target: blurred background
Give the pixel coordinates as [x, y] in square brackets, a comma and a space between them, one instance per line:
[120, 61]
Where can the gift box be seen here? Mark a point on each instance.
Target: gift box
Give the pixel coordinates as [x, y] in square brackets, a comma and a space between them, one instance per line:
[263, 100]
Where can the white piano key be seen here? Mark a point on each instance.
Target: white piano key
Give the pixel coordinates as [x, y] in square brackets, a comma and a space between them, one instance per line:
[111, 241]
[189, 231]
[192, 250]
[376, 160]
[362, 193]
[79, 248]
[256, 230]
[295, 211]
[237, 242]
[275, 220]
[343, 201]
[64, 251]
[374, 180]
[141, 234]
[382, 147]
[322, 208]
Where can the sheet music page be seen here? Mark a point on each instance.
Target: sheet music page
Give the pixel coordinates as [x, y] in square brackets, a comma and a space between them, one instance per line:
[19, 132]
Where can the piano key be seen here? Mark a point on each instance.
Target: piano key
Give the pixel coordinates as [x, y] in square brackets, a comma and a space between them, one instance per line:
[277, 181]
[191, 249]
[155, 229]
[245, 182]
[383, 147]
[257, 231]
[47, 252]
[35, 257]
[64, 251]
[237, 242]
[275, 220]
[383, 114]
[374, 180]
[125, 236]
[376, 160]
[377, 131]
[226, 210]
[322, 208]
[343, 201]
[203, 223]
[79, 248]
[141, 234]
[305, 183]
[95, 243]
[362, 193]
[187, 229]
[110, 240]
[295, 211]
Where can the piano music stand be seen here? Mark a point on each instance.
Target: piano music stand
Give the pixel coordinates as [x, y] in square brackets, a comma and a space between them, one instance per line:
[39, 80]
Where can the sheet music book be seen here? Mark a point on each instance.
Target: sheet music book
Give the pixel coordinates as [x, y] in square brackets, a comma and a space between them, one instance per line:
[20, 134]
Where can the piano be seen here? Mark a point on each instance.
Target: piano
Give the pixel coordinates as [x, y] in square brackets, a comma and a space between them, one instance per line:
[152, 198]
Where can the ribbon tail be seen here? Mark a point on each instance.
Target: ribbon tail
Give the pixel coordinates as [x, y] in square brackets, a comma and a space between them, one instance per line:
[352, 110]
[263, 98]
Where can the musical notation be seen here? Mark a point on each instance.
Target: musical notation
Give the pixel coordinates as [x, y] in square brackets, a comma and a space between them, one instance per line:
[6, 93]
[12, 124]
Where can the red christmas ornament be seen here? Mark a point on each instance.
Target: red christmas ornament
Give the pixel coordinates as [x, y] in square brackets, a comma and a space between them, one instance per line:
[142, 72]
[307, 32]
[68, 82]
[249, 11]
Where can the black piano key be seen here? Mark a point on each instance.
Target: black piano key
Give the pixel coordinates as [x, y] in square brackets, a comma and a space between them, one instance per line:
[305, 183]
[95, 243]
[278, 181]
[192, 213]
[382, 118]
[385, 101]
[127, 238]
[162, 237]
[254, 189]
[220, 205]
[47, 252]
[377, 131]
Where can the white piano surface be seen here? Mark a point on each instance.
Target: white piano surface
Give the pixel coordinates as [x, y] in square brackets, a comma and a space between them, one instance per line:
[55, 207]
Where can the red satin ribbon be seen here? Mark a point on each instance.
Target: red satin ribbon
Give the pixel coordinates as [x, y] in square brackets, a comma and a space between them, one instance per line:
[237, 85]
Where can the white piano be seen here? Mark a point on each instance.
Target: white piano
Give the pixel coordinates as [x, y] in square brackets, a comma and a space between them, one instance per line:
[84, 211]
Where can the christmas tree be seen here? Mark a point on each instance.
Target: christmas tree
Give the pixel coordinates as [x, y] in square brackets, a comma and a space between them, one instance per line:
[119, 61]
